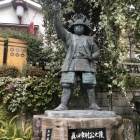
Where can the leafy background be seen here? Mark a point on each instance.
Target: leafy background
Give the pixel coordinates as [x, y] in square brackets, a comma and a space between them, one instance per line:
[115, 25]
[111, 22]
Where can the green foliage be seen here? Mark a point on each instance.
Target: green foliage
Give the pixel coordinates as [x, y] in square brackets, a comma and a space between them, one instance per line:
[133, 82]
[10, 131]
[4, 114]
[29, 94]
[137, 137]
[9, 71]
[34, 71]
[113, 24]
[136, 122]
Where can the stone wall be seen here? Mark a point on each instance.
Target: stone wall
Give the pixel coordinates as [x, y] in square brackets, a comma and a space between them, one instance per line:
[116, 102]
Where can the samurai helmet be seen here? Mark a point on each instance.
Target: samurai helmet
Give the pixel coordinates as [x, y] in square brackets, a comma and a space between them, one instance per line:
[79, 19]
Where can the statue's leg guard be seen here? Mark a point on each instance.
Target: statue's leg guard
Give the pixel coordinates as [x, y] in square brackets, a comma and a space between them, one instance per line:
[65, 96]
[89, 82]
[91, 97]
[64, 99]
[68, 83]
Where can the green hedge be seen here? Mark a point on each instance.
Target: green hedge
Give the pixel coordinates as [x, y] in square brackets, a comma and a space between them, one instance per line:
[29, 94]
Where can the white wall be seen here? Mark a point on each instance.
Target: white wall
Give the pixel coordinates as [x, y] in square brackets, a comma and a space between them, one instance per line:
[8, 15]
[36, 16]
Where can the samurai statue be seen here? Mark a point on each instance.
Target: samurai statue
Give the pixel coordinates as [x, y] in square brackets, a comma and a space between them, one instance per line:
[81, 51]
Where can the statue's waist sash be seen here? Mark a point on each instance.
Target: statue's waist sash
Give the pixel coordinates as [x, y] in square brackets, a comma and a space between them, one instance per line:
[80, 65]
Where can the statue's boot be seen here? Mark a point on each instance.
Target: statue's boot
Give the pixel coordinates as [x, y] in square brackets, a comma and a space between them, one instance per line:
[92, 102]
[64, 99]
[61, 107]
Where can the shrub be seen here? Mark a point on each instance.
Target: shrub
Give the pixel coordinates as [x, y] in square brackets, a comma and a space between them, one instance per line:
[29, 94]
[10, 131]
[9, 71]
[34, 71]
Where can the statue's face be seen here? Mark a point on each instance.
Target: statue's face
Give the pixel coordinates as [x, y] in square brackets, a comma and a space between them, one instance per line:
[79, 29]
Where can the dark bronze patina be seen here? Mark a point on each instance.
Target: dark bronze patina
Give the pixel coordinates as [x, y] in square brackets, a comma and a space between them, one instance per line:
[81, 51]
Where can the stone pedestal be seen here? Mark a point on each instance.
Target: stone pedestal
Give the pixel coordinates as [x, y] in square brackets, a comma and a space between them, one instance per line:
[55, 125]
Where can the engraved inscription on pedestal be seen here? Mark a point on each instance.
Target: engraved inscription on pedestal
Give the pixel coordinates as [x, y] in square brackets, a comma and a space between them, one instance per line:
[48, 134]
[87, 134]
[54, 128]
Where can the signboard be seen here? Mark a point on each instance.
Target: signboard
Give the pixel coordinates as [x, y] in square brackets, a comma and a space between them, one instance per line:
[87, 134]
[48, 134]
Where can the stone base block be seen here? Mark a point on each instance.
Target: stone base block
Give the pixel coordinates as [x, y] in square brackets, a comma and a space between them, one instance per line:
[54, 128]
[79, 114]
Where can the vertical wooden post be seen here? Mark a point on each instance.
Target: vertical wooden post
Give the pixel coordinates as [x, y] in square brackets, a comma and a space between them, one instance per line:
[1, 51]
[17, 53]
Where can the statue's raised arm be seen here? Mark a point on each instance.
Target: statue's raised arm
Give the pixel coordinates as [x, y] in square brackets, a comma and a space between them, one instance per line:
[57, 22]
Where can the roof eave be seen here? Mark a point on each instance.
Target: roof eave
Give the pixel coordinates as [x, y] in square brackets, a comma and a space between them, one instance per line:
[33, 4]
[28, 2]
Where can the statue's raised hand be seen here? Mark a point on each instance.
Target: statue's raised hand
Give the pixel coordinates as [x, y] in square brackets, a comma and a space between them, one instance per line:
[56, 8]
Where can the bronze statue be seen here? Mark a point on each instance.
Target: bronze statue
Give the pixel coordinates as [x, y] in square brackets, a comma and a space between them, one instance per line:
[81, 51]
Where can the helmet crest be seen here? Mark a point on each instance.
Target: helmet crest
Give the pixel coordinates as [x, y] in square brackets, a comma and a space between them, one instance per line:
[79, 19]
